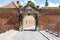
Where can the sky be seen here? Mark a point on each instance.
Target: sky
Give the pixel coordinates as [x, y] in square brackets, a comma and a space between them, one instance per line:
[41, 3]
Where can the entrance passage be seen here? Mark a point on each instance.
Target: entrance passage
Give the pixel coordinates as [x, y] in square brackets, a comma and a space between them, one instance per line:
[29, 23]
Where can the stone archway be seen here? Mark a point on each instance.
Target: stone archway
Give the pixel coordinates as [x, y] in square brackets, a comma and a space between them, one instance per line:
[29, 22]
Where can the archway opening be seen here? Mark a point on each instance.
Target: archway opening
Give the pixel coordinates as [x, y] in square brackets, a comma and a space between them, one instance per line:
[29, 22]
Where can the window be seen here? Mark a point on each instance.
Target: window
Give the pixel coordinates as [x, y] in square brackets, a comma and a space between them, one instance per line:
[26, 21]
[29, 21]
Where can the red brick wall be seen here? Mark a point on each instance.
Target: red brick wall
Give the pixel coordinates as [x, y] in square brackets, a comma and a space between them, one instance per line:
[50, 22]
[7, 23]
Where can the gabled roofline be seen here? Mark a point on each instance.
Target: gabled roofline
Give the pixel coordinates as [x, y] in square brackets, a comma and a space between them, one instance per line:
[31, 6]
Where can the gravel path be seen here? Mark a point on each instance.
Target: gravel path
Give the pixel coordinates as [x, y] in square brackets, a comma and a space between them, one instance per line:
[29, 35]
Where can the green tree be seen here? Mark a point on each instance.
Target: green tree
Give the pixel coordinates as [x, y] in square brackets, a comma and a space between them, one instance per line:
[32, 4]
[19, 5]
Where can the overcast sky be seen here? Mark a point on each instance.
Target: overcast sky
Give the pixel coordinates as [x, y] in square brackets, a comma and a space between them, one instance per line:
[37, 2]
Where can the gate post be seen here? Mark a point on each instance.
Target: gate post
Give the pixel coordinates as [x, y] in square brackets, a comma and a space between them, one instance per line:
[20, 23]
[36, 18]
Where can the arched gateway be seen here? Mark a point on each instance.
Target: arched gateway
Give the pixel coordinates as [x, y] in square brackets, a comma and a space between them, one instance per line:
[28, 17]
